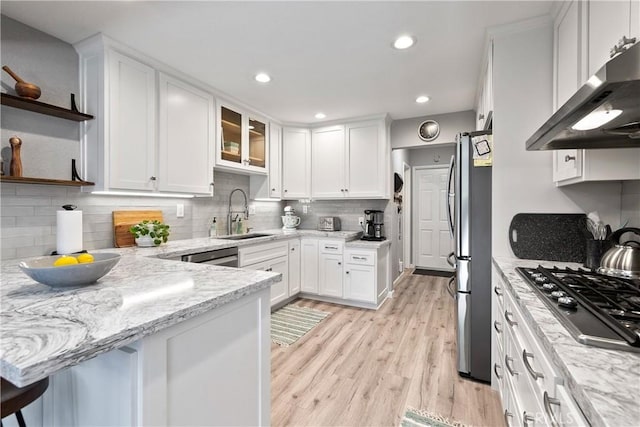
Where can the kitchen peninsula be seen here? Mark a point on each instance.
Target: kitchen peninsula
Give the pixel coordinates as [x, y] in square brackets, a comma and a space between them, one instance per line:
[163, 342]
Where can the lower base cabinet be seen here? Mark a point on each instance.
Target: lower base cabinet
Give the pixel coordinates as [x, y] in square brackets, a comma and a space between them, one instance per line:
[530, 386]
[269, 257]
[294, 267]
[213, 369]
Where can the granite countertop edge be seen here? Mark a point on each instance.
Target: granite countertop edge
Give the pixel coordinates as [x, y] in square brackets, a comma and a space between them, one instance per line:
[599, 397]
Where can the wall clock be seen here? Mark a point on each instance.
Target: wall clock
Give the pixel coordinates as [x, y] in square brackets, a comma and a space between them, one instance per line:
[428, 130]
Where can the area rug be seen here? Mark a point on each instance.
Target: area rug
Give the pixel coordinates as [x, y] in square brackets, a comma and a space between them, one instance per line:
[425, 272]
[417, 418]
[291, 322]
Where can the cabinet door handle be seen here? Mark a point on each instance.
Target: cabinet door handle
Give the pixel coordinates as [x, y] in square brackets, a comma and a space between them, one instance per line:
[525, 358]
[507, 317]
[286, 191]
[153, 178]
[211, 184]
[526, 419]
[495, 371]
[339, 263]
[293, 249]
[548, 401]
[497, 291]
[507, 361]
[480, 116]
[346, 272]
[496, 326]
[507, 415]
[273, 189]
[568, 158]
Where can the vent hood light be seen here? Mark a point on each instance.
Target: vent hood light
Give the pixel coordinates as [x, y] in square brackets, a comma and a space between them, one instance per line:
[404, 42]
[596, 119]
[127, 193]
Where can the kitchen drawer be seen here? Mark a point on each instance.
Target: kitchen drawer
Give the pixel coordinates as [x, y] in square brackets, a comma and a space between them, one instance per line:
[360, 257]
[331, 246]
[249, 255]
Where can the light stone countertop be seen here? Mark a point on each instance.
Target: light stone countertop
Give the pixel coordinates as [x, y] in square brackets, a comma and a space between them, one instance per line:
[44, 330]
[604, 383]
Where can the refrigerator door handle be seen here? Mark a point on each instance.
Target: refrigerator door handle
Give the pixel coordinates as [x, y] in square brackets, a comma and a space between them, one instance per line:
[451, 260]
[450, 287]
[464, 332]
[452, 165]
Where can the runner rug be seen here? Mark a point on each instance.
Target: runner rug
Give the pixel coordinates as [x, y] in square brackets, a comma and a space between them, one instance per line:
[291, 322]
[416, 418]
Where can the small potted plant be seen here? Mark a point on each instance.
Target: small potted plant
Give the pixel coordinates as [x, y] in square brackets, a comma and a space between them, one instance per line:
[150, 233]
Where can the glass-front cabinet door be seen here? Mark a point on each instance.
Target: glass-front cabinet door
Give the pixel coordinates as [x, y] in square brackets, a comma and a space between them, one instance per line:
[231, 135]
[243, 143]
[257, 143]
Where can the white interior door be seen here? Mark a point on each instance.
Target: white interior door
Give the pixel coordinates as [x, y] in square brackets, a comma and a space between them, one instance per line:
[432, 241]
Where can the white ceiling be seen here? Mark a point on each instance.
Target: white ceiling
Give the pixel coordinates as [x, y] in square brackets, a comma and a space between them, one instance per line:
[334, 57]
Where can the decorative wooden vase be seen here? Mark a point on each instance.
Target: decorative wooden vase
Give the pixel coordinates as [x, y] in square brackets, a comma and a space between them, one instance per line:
[15, 166]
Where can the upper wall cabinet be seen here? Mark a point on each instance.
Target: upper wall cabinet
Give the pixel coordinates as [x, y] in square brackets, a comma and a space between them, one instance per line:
[128, 147]
[484, 102]
[270, 186]
[350, 161]
[243, 144]
[579, 51]
[296, 163]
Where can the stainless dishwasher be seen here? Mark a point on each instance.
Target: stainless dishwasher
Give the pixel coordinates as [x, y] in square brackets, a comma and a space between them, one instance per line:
[227, 257]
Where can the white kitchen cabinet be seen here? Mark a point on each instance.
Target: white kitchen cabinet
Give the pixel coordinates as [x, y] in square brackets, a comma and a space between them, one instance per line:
[330, 270]
[212, 369]
[296, 163]
[576, 38]
[295, 257]
[366, 275]
[350, 161]
[150, 134]
[186, 138]
[484, 100]
[270, 186]
[309, 265]
[328, 162]
[609, 21]
[242, 145]
[269, 257]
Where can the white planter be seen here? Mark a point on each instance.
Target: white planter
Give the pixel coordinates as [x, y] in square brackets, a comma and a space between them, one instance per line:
[144, 241]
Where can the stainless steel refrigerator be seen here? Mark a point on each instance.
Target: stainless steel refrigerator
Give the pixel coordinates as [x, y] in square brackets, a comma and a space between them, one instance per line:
[469, 213]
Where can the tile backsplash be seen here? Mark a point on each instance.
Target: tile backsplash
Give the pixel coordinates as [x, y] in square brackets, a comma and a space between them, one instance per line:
[348, 210]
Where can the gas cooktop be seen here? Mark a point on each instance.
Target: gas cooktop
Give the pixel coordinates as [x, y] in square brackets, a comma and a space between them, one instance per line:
[598, 310]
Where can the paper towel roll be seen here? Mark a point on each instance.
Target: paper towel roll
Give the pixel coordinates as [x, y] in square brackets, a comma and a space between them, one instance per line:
[69, 232]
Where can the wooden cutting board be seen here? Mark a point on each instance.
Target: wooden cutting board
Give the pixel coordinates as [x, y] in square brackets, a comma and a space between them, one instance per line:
[123, 220]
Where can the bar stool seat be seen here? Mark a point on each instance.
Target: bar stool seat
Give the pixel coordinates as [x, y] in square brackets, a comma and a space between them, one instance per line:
[15, 398]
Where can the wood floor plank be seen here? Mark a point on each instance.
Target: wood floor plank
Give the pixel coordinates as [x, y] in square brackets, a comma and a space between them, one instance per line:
[364, 368]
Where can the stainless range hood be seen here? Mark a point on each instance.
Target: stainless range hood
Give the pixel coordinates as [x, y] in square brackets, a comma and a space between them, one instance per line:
[616, 86]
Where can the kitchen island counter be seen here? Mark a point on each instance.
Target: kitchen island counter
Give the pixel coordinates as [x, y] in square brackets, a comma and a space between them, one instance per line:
[604, 383]
[44, 330]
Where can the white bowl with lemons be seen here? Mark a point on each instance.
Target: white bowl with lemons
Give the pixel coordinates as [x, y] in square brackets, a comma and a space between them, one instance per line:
[69, 270]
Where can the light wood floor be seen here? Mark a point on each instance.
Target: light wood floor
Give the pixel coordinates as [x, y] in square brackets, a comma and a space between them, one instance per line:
[364, 368]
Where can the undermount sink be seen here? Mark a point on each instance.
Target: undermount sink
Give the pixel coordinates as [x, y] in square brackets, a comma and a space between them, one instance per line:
[244, 236]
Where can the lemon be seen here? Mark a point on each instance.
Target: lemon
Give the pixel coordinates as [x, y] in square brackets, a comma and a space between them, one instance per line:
[65, 260]
[84, 258]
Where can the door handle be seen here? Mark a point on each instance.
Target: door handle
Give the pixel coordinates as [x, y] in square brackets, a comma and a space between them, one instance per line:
[450, 257]
[449, 287]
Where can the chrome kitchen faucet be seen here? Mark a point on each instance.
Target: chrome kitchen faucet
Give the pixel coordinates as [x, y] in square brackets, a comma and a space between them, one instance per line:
[231, 212]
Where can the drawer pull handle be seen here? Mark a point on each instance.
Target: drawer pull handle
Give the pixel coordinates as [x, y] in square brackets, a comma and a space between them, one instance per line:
[507, 317]
[360, 258]
[495, 371]
[568, 158]
[507, 361]
[507, 415]
[497, 291]
[548, 401]
[526, 419]
[525, 358]
[331, 247]
[496, 326]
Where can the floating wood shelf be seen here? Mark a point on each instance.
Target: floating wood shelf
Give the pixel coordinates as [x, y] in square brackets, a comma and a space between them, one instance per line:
[44, 181]
[42, 108]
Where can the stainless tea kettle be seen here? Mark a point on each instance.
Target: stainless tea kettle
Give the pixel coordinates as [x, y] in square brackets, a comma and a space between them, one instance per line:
[623, 259]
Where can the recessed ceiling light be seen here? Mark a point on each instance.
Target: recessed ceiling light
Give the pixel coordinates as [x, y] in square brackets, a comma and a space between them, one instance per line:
[263, 78]
[320, 115]
[422, 99]
[404, 42]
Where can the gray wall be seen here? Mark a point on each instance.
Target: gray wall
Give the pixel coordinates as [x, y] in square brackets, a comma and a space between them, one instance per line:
[630, 204]
[28, 212]
[404, 133]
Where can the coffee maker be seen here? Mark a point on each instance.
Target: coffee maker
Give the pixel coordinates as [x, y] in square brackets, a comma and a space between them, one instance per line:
[373, 226]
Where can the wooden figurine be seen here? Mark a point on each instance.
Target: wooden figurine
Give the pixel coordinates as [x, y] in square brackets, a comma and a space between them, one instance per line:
[15, 167]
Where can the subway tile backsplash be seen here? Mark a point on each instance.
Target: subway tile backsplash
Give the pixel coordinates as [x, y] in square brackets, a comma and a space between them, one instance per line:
[348, 210]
